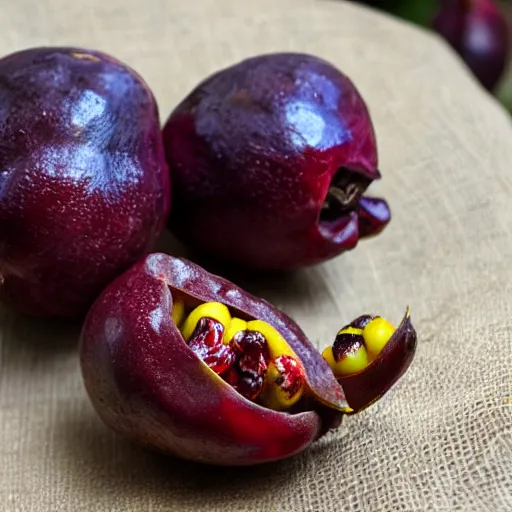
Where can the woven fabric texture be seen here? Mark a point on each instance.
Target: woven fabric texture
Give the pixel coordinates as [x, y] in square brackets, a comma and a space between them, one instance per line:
[442, 438]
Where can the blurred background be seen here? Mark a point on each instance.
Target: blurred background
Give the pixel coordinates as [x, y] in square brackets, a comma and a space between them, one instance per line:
[479, 30]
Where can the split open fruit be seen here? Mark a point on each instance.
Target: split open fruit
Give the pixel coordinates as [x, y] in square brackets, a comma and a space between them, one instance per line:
[187, 363]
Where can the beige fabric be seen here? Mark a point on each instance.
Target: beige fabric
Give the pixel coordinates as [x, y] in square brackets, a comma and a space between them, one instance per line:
[442, 440]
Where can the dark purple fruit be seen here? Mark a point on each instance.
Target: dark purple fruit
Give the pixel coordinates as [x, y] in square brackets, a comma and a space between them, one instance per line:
[84, 187]
[270, 159]
[187, 363]
[478, 31]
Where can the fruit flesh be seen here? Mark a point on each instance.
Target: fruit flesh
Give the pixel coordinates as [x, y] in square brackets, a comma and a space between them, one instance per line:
[358, 344]
[84, 187]
[251, 356]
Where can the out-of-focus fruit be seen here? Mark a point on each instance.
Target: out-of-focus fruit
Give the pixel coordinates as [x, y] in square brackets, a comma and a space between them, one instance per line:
[478, 31]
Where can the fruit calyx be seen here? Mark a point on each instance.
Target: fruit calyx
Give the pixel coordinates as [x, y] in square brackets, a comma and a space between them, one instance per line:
[344, 194]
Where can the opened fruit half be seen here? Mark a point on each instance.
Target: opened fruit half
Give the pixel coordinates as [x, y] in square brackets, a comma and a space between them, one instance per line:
[187, 363]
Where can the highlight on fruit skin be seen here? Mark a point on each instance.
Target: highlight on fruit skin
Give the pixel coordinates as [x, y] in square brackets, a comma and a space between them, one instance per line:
[280, 150]
[235, 381]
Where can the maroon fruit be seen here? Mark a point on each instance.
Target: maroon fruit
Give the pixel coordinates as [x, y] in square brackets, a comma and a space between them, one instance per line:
[84, 187]
[478, 31]
[269, 160]
[185, 362]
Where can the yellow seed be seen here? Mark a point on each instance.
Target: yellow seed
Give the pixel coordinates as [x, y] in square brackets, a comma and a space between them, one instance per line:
[214, 310]
[376, 334]
[273, 395]
[350, 330]
[352, 362]
[178, 312]
[236, 325]
[276, 343]
[329, 357]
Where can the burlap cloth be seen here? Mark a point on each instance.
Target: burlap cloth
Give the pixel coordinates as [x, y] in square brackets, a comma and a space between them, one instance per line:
[442, 439]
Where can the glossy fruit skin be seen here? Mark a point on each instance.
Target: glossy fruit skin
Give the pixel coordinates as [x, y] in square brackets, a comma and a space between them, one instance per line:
[252, 152]
[478, 31]
[84, 186]
[147, 384]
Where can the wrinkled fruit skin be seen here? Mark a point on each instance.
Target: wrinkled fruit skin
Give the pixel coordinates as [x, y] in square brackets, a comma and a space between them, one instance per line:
[253, 151]
[146, 383]
[84, 187]
[478, 31]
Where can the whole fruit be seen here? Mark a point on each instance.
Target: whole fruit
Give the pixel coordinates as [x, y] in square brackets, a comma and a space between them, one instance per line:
[185, 362]
[84, 187]
[478, 31]
[269, 160]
